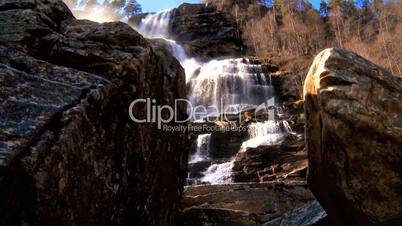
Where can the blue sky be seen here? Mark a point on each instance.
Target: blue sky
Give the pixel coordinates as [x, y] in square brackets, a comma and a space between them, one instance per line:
[316, 3]
[158, 5]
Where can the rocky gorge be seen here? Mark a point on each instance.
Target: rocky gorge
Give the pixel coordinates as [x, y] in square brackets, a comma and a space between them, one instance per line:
[71, 155]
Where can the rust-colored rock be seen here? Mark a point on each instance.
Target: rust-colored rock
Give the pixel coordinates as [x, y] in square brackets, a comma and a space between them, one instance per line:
[353, 114]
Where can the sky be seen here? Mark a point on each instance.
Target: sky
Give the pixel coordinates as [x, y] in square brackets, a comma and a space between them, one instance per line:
[316, 3]
[158, 5]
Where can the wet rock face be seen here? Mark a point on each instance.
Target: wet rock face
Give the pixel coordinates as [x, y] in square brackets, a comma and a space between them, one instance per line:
[206, 32]
[69, 153]
[354, 138]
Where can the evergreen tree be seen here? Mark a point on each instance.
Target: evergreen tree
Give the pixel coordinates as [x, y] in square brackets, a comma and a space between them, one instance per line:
[324, 8]
[132, 7]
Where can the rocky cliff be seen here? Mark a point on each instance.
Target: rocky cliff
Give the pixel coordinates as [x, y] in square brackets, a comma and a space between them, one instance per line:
[69, 153]
[354, 139]
[206, 32]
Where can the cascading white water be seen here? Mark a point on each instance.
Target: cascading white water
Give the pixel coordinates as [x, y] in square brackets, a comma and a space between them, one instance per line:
[157, 26]
[230, 86]
[261, 133]
[233, 85]
[264, 128]
[202, 151]
[266, 133]
[219, 173]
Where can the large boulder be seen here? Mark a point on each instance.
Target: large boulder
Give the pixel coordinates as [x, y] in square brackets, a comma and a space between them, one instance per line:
[69, 152]
[354, 139]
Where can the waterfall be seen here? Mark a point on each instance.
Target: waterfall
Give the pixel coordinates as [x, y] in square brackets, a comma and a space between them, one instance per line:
[216, 173]
[157, 26]
[202, 151]
[230, 85]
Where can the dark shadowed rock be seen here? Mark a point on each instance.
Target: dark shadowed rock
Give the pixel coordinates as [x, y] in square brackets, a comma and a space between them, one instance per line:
[69, 152]
[226, 144]
[206, 32]
[241, 204]
[354, 139]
